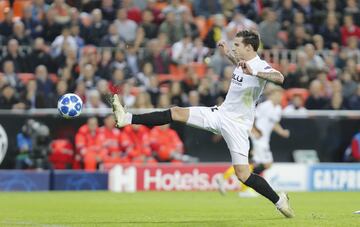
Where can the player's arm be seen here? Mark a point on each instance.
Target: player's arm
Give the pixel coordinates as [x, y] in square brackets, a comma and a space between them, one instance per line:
[281, 131]
[273, 76]
[225, 49]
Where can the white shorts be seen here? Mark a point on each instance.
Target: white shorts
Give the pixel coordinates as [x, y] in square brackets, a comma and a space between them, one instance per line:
[217, 121]
[261, 153]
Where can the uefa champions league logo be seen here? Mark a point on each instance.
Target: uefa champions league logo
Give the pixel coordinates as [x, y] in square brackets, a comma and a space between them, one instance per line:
[3, 143]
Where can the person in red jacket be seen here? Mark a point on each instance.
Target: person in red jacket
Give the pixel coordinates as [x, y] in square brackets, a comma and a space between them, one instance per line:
[88, 144]
[166, 143]
[114, 141]
[138, 149]
[349, 29]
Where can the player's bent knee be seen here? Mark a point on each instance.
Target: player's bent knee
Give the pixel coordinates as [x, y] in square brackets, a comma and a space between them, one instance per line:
[179, 114]
[242, 173]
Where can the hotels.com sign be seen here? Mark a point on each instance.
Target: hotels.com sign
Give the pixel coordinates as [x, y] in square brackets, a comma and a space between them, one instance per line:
[168, 178]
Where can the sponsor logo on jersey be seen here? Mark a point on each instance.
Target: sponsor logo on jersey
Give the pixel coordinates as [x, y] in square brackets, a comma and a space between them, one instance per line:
[237, 79]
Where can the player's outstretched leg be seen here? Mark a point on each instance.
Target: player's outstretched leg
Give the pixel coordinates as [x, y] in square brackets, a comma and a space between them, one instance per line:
[261, 186]
[123, 118]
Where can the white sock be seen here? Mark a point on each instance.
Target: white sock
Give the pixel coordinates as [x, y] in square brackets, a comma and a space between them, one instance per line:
[128, 118]
[280, 202]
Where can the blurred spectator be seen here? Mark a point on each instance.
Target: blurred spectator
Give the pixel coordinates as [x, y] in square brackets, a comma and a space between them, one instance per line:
[39, 9]
[164, 101]
[132, 10]
[143, 101]
[157, 56]
[157, 14]
[239, 22]
[337, 102]
[51, 28]
[33, 28]
[94, 102]
[176, 94]
[126, 28]
[352, 9]
[117, 80]
[331, 31]
[190, 27]
[75, 32]
[286, 14]
[16, 56]
[199, 52]
[182, 51]
[315, 62]
[352, 49]
[112, 140]
[354, 100]
[305, 7]
[269, 29]
[248, 9]
[228, 7]
[87, 75]
[34, 98]
[40, 56]
[108, 9]
[216, 32]
[172, 28]
[167, 145]
[10, 77]
[296, 105]
[148, 28]
[104, 66]
[176, 8]
[143, 77]
[9, 100]
[98, 29]
[112, 38]
[43, 82]
[298, 37]
[61, 11]
[6, 26]
[127, 97]
[349, 85]
[102, 87]
[64, 40]
[316, 100]
[139, 148]
[194, 99]
[89, 146]
[349, 29]
[154, 90]
[206, 8]
[132, 60]
[25, 147]
[61, 89]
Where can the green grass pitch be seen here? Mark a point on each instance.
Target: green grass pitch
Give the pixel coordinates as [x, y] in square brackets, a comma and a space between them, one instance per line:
[60, 209]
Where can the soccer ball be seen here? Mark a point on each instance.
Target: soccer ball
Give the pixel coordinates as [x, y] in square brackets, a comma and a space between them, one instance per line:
[70, 105]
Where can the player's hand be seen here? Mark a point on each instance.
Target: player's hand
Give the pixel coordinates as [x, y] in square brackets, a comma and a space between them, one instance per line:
[256, 132]
[285, 133]
[246, 67]
[223, 46]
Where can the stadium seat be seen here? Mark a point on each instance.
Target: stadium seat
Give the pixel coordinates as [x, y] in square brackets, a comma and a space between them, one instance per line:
[25, 77]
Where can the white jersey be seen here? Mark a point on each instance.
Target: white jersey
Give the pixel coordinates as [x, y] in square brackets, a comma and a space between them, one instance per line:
[244, 92]
[267, 115]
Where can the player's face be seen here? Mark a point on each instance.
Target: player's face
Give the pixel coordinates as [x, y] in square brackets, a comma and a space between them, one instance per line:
[239, 49]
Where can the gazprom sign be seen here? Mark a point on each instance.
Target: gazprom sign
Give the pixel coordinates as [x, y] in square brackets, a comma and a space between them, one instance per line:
[335, 177]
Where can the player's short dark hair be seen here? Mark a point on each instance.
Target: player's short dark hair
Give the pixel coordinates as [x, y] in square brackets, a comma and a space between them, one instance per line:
[250, 38]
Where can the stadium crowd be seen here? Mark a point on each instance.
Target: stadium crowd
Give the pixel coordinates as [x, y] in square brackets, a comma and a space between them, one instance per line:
[158, 53]
[161, 53]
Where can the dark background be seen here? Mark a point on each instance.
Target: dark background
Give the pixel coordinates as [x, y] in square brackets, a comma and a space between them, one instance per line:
[329, 136]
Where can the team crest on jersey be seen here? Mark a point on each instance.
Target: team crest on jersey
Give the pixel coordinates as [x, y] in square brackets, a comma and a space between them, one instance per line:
[237, 79]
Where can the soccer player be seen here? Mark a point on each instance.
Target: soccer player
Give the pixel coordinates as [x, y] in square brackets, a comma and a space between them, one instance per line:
[234, 118]
[267, 118]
